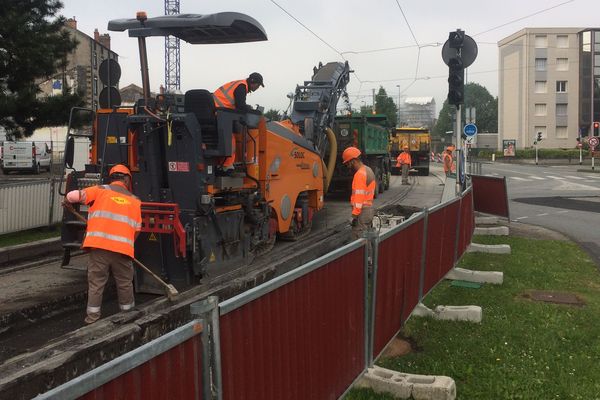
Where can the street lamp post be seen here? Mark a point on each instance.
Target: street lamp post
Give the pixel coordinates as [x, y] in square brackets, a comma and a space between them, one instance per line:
[398, 122]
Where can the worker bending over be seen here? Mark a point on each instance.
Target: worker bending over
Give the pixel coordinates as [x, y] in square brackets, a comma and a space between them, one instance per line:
[404, 162]
[363, 191]
[114, 221]
[232, 95]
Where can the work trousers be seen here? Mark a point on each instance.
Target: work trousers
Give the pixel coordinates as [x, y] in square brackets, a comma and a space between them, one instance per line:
[365, 222]
[404, 174]
[101, 263]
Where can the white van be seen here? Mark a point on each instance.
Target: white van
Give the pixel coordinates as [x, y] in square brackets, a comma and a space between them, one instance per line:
[25, 156]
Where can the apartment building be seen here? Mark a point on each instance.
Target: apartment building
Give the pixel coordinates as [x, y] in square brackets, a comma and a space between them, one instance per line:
[417, 112]
[546, 76]
[81, 72]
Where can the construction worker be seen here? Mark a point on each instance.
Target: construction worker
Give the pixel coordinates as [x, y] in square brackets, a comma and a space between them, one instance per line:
[404, 162]
[114, 221]
[448, 161]
[232, 95]
[363, 191]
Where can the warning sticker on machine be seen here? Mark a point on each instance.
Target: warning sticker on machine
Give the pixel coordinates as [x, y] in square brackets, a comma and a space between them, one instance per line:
[179, 166]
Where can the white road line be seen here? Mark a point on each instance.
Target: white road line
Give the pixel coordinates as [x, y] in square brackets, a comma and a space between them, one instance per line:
[539, 178]
[562, 212]
[521, 218]
[574, 177]
[542, 215]
[555, 177]
[516, 178]
[592, 176]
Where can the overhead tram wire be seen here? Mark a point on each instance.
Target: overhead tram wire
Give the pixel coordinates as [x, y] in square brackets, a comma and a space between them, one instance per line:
[315, 35]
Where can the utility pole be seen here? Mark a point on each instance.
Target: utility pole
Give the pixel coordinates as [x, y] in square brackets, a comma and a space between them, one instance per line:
[373, 110]
[398, 122]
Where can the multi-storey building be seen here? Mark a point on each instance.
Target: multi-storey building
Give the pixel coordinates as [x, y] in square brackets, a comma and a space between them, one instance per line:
[546, 76]
[81, 72]
[417, 112]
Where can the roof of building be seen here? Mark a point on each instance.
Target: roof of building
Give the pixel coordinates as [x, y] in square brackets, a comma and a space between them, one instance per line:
[419, 100]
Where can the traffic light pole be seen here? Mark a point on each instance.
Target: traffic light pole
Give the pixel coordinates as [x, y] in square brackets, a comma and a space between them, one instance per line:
[536, 153]
[458, 131]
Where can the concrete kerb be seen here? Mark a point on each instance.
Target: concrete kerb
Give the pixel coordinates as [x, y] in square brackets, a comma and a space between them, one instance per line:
[486, 220]
[492, 231]
[405, 386]
[20, 252]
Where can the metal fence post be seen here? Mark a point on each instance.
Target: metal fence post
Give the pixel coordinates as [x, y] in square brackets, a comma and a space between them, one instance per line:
[371, 295]
[208, 310]
[423, 254]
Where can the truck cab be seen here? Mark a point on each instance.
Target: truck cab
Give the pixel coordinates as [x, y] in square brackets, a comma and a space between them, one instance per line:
[25, 156]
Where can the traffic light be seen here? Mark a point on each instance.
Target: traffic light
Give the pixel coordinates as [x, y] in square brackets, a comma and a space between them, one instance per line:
[596, 128]
[456, 70]
[539, 137]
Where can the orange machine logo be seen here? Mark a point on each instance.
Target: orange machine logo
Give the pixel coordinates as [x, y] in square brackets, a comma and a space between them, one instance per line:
[297, 153]
[120, 200]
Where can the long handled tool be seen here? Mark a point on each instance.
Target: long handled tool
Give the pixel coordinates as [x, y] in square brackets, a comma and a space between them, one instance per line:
[170, 289]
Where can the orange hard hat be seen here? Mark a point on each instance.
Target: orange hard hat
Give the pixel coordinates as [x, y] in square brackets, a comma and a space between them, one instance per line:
[450, 148]
[349, 154]
[120, 169]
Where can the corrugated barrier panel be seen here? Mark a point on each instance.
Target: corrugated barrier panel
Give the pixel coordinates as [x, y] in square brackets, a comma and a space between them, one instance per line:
[303, 340]
[490, 195]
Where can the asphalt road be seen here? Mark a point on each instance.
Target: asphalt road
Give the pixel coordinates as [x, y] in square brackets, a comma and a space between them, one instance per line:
[565, 198]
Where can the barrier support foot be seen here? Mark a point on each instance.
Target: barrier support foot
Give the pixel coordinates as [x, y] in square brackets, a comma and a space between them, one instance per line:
[489, 248]
[405, 386]
[462, 274]
[450, 313]
[492, 231]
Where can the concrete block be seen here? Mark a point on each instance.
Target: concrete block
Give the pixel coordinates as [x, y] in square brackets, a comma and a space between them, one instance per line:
[450, 313]
[486, 220]
[405, 386]
[461, 274]
[459, 313]
[489, 248]
[493, 231]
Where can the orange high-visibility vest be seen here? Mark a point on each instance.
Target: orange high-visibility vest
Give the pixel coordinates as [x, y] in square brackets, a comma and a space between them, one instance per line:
[448, 162]
[403, 158]
[113, 218]
[363, 191]
[223, 96]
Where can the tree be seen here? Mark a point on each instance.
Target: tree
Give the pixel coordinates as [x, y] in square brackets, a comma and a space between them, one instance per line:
[34, 47]
[385, 105]
[273, 115]
[476, 96]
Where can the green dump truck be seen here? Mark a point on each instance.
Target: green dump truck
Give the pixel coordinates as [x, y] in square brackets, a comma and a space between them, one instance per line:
[371, 136]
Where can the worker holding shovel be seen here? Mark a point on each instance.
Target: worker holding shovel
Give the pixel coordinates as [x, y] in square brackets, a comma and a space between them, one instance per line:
[114, 221]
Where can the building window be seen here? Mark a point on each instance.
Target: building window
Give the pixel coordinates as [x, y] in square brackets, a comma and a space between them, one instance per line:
[562, 41]
[541, 41]
[541, 129]
[562, 64]
[561, 132]
[95, 59]
[95, 85]
[561, 110]
[561, 86]
[586, 41]
[540, 109]
[540, 64]
[540, 87]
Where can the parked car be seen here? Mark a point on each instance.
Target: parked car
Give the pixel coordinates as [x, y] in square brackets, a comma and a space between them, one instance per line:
[25, 156]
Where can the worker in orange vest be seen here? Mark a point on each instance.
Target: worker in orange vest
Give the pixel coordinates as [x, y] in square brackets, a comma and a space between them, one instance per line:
[449, 167]
[363, 191]
[404, 162]
[114, 221]
[232, 95]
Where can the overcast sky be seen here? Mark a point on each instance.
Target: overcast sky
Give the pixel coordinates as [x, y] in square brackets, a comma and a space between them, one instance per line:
[291, 51]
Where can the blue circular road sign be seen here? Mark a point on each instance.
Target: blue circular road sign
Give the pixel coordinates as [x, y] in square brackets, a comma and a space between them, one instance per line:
[470, 130]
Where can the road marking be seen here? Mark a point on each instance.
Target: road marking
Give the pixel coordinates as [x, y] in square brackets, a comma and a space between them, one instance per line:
[539, 178]
[516, 178]
[542, 215]
[592, 176]
[574, 177]
[562, 212]
[521, 218]
[555, 177]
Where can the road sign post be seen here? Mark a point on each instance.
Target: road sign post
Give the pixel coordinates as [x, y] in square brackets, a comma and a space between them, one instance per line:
[593, 142]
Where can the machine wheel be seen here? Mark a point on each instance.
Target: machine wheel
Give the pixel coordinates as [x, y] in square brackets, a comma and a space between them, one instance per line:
[387, 179]
[36, 169]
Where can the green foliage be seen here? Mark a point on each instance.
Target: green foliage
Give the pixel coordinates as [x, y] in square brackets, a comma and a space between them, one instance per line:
[475, 96]
[273, 115]
[385, 105]
[523, 349]
[34, 47]
[31, 235]
[543, 154]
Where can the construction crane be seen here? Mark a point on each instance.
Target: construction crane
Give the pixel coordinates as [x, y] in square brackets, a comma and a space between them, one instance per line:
[172, 52]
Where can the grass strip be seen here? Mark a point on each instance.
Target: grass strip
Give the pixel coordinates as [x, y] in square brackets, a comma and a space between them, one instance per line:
[523, 349]
[31, 235]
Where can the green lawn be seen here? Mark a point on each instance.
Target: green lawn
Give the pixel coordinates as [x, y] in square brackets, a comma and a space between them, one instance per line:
[522, 349]
[32, 235]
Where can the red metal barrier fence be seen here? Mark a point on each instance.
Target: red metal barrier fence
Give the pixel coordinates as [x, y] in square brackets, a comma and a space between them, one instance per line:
[170, 367]
[440, 244]
[399, 268]
[303, 340]
[467, 223]
[490, 195]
